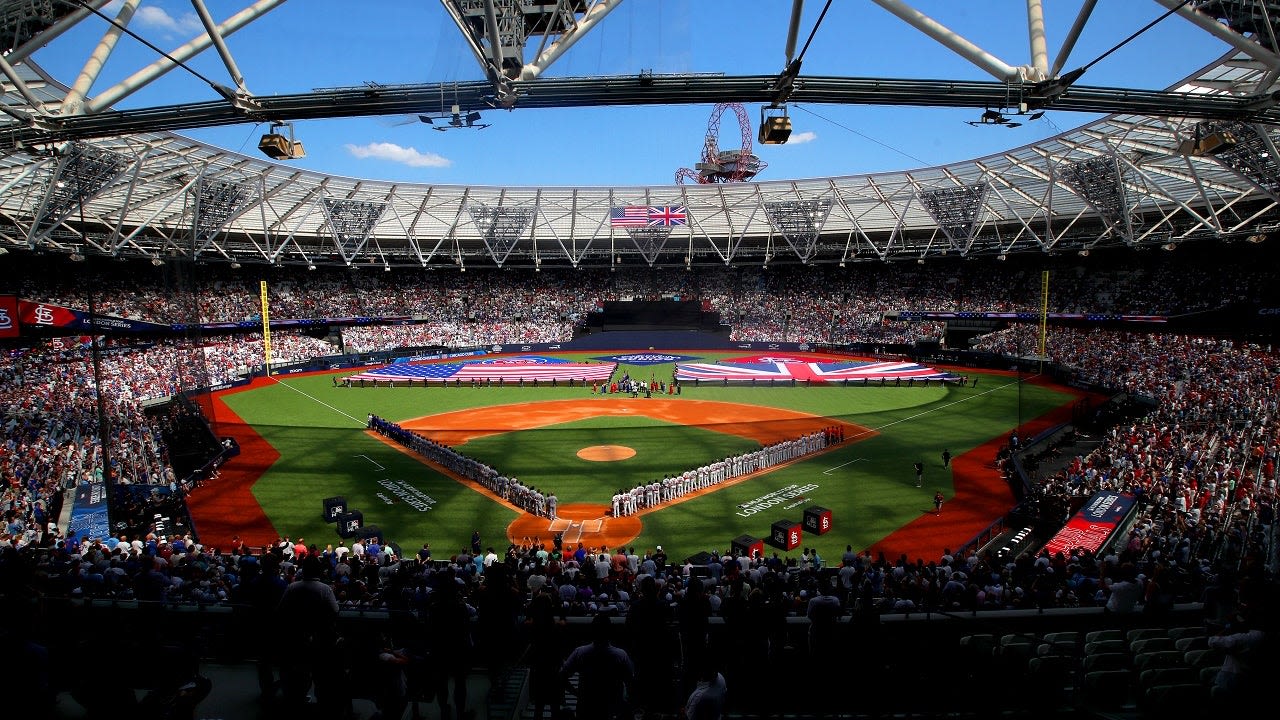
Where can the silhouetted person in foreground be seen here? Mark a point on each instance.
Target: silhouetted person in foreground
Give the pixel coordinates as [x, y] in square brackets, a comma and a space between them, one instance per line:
[604, 674]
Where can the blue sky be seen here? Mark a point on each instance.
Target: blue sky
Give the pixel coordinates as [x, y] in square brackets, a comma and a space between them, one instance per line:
[308, 44]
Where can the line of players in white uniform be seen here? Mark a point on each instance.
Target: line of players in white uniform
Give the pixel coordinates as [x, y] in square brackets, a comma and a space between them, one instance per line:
[629, 502]
[625, 502]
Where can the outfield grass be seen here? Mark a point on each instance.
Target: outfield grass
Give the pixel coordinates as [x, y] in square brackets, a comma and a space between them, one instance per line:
[869, 484]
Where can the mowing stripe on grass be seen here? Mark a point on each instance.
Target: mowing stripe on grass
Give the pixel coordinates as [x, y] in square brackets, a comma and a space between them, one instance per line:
[309, 396]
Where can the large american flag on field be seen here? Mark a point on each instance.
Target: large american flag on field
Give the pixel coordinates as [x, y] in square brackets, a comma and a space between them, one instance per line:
[504, 369]
[820, 372]
[635, 216]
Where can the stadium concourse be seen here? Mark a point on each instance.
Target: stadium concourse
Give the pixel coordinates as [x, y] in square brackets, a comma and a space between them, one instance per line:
[1197, 454]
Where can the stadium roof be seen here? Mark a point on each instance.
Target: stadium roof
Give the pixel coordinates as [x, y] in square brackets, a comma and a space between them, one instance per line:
[74, 183]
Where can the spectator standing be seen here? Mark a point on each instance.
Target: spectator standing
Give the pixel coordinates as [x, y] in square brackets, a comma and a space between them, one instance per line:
[604, 674]
[307, 617]
[707, 701]
[449, 617]
[545, 654]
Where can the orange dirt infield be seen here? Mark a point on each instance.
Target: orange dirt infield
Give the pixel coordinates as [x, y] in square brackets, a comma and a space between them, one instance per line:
[591, 524]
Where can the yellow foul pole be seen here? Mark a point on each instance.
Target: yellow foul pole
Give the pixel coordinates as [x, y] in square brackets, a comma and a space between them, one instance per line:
[1044, 315]
[266, 326]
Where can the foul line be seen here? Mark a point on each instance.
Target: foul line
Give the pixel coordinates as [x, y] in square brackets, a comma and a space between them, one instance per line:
[375, 464]
[918, 415]
[828, 471]
[321, 402]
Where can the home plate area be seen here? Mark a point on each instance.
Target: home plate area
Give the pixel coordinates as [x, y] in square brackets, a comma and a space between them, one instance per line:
[572, 530]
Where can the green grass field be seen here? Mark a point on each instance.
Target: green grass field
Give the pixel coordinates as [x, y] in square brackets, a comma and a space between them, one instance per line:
[869, 485]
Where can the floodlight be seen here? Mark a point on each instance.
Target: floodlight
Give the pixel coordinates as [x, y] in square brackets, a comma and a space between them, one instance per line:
[278, 146]
[77, 257]
[157, 261]
[311, 267]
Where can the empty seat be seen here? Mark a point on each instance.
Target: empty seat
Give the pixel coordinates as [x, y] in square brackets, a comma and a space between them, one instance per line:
[977, 647]
[1105, 646]
[1157, 659]
[1181, 700]
[1168, 676]
[1107, 661]
[1206, 657]
[1144, 633]
[1108, 689]
[1209, 674]
[1150, 644]
[1096, 635]
[1051, 680]
[1177, 633]
[1019, 638]
[1055, 638]
[1191, 642]
[1059, 643]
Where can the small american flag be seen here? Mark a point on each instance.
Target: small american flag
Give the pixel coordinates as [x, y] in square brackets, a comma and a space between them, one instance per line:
[629, 216]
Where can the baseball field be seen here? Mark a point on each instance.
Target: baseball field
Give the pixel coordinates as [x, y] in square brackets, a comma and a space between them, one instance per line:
[304, 439]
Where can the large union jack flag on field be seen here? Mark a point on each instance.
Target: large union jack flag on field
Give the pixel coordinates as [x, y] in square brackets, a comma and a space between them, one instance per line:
[822, 372]
[509, 370]
[635, 216]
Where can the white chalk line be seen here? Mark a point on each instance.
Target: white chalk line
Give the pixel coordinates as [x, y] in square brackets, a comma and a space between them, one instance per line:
[309, 396]
[375, 464]
[917, 415]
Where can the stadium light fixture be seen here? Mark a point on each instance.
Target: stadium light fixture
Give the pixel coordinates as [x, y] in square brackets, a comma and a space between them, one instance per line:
[311, 267]
[4, 251]
[77, 257]
[1084, 252]
[235, 265]
[279, 146]
[1002, 257]
[1255, 239]
[386, 268]
[157, 261]
[1169, 246]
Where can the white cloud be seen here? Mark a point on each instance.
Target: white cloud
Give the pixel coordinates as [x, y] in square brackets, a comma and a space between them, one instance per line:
[158, 18]
[404, 155]
[802, 137]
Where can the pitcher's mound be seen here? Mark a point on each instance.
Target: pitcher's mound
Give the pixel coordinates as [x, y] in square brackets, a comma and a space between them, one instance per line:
[606, 453]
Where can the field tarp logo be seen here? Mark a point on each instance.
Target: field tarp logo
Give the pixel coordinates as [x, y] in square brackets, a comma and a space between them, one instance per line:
[797, 493]
[645, 358]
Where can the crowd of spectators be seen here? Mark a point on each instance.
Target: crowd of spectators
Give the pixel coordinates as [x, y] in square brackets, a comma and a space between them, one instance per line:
[778, 302]
[1201, 462]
